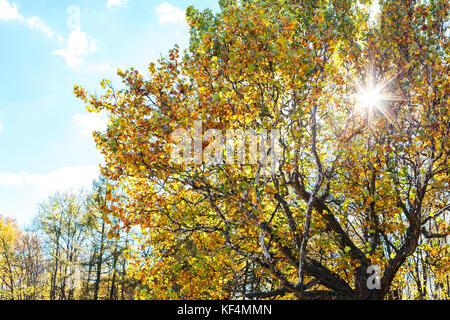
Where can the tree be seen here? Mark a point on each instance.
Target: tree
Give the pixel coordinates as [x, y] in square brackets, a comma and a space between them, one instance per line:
[8, 238]
[107, 245]
[61, 219]
[84, 251]
[22, 267]
[363, 151]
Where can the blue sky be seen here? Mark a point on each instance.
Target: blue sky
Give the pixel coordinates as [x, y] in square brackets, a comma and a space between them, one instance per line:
[47, 46]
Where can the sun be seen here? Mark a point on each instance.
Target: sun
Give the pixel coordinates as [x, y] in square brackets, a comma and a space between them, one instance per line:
[369, 98]
[373, 97]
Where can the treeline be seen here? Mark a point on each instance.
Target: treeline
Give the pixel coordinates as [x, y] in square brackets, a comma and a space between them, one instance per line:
[74, 249]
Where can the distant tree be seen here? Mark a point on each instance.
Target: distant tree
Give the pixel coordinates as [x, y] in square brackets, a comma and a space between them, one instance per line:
[22, 265]
[108, 244]
[61, 219]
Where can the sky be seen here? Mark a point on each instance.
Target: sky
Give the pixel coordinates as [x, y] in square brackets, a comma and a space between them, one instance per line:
[47, 46]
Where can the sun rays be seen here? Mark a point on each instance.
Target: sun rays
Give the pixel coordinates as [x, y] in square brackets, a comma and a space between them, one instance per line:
[374, 96]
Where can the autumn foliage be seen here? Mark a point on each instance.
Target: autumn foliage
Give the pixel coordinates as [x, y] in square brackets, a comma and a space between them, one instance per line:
[361, 184]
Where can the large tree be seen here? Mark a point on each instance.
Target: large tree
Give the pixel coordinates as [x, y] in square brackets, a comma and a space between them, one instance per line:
[361, 104]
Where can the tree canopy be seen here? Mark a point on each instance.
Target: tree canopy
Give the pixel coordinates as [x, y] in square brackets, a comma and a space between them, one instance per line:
[361, 187]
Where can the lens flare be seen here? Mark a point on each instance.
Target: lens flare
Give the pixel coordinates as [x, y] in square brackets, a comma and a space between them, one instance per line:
[369, 98]
[374, 97]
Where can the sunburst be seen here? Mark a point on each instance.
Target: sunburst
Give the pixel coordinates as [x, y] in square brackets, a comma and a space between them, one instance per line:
[374, 97]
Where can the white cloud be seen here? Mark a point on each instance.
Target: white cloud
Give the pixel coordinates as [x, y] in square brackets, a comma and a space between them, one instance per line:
[87, 123]
[116, 3]
[63, 179]
[99, 67]
[168, 14]
[1, 127]
[79, 45]
[39, 24]
[8, 11]
[11, 179]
